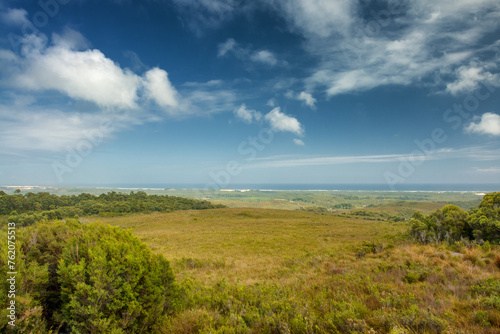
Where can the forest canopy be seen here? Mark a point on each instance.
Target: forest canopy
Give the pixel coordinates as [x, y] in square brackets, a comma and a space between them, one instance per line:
[33, 207]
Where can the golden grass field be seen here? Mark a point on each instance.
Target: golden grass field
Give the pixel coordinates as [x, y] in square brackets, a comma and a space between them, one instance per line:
[252, 270]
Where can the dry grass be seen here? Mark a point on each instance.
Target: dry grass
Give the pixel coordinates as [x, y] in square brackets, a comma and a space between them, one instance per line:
[246, 270]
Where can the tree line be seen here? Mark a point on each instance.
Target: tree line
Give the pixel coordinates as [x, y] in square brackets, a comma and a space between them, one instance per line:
[33, 207]
[451, 223]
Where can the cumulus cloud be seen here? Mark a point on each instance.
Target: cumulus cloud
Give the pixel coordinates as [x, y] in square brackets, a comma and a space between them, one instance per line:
[489, 124]
[298, 142]
[280, 121]
[67, 66]
[88, 75]
[247, 115]
[159, 89]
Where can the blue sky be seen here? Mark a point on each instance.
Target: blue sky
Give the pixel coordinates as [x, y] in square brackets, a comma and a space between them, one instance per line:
[222, 92]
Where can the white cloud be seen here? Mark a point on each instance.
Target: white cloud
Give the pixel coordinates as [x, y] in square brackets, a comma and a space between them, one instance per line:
[265, 57]
[298, 142]
[159, 88]
[15, 16]
[469, 77]
[271, 103]
[472, 153]
[488, 125]
[87, 80]
[225, 47]
[399, 43]
[322, 17]
[361, 50]
[279, 162]
[489, 170]
[247, 115]
[280, 121]
[86, 75]
[305, 97]
[30, 128]
[206, 100]
[202, 14]
[308, 99]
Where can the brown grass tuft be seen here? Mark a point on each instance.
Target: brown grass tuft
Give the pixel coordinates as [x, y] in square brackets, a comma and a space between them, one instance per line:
[496, 262]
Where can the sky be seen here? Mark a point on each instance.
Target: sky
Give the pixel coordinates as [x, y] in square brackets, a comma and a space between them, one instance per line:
[223, 92]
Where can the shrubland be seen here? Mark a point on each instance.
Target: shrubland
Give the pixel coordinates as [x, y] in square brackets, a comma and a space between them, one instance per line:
[243, 270]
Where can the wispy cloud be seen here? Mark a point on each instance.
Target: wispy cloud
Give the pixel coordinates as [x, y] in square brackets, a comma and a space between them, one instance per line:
[200, 15]
[298, 142]
[468, 78]
[478, 153]
[490, 170]
[247, 55]
[265, 57]
[34, 129]
[404, 43]
[432, 43]
[14, 16]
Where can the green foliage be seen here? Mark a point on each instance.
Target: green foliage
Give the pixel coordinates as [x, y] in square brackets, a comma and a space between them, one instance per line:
[87, 279]
[453, 224]
[314, 209]
[27, 209]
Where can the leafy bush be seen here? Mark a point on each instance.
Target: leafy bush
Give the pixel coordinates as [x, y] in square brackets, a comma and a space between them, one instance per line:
[88, 279]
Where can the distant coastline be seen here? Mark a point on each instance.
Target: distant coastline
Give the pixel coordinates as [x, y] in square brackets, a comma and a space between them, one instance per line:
[470, 188]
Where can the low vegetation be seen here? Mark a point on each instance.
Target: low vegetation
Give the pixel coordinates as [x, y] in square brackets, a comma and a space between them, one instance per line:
[247, 270]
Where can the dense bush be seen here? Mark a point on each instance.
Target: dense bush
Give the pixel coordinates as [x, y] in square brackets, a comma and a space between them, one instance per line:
[26, 209]
[452, 224]
[87, 279]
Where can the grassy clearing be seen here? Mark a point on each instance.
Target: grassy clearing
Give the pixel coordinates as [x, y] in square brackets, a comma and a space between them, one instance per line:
[247, 270]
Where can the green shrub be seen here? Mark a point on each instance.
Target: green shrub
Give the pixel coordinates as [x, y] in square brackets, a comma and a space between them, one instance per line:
[110, 281]
[452, 224]
[88, 279]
